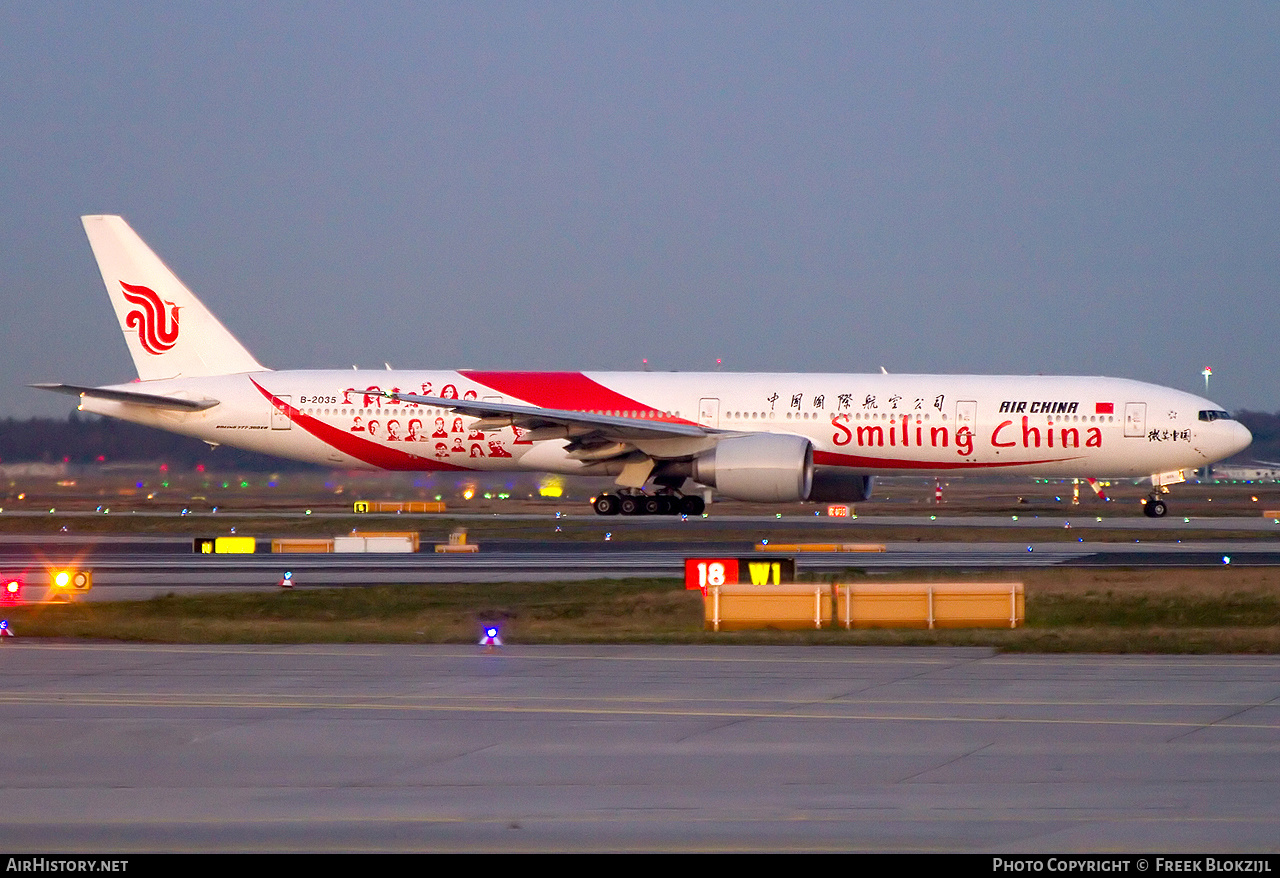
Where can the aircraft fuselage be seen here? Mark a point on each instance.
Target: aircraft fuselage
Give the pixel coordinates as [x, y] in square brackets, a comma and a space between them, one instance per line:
[873, 424]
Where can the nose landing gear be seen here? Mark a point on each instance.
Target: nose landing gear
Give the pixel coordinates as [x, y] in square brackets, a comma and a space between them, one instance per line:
[1154, 507]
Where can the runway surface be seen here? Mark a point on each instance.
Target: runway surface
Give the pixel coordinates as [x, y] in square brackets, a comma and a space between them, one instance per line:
[193, 748]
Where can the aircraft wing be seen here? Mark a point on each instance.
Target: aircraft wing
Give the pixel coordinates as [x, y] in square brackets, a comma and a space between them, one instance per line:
[151, 400]
[546, 423]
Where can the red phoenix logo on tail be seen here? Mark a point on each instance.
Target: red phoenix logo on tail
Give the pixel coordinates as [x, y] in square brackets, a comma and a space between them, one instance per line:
[156, 333]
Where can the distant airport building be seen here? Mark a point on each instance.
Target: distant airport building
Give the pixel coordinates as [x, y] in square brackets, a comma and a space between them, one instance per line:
[29, 470]
[1257, 471]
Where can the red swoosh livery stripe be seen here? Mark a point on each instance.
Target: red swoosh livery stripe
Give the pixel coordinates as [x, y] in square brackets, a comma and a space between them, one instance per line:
[570, 391]
[372, 453]
[858, 461]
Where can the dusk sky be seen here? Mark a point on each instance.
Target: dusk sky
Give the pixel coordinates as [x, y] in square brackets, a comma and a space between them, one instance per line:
[1059, 188]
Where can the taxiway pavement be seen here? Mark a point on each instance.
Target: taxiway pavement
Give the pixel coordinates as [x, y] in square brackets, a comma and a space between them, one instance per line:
[405, 748]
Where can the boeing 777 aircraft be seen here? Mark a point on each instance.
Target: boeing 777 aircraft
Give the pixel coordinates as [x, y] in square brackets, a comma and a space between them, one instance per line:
[775, 437]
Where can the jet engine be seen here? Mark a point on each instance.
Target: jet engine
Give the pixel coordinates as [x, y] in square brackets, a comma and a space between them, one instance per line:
[761, 467]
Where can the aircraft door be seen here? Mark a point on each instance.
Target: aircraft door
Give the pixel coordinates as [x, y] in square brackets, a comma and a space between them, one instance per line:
[279, 418]
[709, 413]
[1135, 419]
[967, 414]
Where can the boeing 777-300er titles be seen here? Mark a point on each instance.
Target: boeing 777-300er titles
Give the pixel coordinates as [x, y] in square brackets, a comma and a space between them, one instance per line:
[755, 437]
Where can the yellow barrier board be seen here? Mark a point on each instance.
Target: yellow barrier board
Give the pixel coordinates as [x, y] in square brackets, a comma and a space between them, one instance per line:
[235, 545]
[735, 607]
[882, 607]
[300, 546]
[865, 605]
[979, 607]
[931, 605]
[792, 548]
[410, 506]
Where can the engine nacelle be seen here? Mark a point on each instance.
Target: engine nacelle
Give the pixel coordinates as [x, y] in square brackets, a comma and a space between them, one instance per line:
[838, 485]
[762, 468]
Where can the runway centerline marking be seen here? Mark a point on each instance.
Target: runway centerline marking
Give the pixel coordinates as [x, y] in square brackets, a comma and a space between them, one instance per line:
[266, 697]
[233, 702]
[684, 656]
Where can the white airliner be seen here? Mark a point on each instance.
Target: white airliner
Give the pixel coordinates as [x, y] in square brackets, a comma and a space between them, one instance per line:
[758, 437]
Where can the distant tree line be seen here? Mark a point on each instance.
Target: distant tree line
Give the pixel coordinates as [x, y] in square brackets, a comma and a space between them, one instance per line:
[86, 440]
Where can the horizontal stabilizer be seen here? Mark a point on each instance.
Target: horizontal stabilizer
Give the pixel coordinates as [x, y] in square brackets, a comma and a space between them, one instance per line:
[132, 397]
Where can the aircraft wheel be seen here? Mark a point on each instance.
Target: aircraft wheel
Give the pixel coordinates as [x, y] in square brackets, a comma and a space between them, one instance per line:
[606, 504]
[629, 505]
[1156, 509]
[692, 506]
[668, 505]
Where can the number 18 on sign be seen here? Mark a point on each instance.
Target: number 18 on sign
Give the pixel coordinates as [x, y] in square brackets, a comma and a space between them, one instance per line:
[704, 573]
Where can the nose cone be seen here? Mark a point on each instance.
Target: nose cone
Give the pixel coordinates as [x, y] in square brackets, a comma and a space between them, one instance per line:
[1222, 439]
[1238, 439]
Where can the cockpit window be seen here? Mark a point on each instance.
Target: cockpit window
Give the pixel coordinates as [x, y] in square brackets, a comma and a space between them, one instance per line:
[1211, 415]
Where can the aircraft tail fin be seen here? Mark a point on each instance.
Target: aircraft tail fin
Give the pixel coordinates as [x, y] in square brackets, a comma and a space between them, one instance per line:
[169, 331]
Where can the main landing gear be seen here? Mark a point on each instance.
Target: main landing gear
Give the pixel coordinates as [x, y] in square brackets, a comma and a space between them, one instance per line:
[639, 503]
